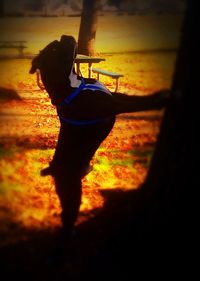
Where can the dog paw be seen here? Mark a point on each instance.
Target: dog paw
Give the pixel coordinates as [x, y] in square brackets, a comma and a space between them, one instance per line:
[46, 171]
[86, 170]
[162, 98]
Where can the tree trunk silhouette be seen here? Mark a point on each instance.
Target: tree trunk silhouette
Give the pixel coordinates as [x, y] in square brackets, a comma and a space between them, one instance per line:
[172, 177]
[88, 27]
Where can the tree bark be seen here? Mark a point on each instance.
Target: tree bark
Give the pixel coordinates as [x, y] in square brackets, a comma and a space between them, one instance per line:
[88, 27]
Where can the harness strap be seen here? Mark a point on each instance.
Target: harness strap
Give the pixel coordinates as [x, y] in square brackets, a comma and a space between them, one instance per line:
[83, 86]
[72, 96]
[75, 93]
[80, 123]
[96, 87]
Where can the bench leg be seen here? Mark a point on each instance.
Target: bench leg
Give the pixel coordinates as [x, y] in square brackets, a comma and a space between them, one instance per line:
[89, 69]
[97, 76]
[117, 84]
[78, 68]
[117, 81]
[21, 53]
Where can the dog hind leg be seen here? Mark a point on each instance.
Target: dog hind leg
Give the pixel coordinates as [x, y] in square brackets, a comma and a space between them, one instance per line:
[69, 190]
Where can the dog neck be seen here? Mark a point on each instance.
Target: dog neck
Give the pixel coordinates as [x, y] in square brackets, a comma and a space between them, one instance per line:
[73, 78]
[59, 90]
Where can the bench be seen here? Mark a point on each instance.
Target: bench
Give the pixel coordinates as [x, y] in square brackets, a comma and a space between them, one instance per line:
[113, 75]
[19, 45]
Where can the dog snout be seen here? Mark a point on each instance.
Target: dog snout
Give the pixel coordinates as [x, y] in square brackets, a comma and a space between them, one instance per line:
[32, 69]
[67, 39]
[34, 66]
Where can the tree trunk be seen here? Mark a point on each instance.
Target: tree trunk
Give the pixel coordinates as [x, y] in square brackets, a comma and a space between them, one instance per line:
[173, 174]
[88, 27]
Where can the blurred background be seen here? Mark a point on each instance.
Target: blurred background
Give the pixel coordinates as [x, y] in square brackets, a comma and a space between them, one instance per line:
[123, 25]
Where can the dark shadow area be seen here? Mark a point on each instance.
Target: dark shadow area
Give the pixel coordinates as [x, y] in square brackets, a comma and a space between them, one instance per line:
[126, 237]
[8, 94]
[120, 235]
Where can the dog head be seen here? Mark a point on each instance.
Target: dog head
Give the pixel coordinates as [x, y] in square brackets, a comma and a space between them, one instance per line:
[56, 55]
[55, 63]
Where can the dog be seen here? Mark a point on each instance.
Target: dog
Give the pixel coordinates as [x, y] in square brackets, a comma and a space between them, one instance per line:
[87, 111]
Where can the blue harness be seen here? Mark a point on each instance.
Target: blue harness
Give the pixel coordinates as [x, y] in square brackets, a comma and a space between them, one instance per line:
[72, 96]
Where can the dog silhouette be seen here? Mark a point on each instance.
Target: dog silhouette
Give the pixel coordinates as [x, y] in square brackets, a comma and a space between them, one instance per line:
[87, 112]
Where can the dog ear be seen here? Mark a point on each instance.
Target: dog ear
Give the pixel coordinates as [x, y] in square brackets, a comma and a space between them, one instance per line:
[69, 45]
[33, 69]
[44, 54]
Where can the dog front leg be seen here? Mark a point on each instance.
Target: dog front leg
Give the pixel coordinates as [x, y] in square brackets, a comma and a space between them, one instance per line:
[123, 103]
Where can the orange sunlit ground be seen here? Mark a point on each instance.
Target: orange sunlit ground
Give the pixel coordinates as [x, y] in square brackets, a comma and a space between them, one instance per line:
[28, 136]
